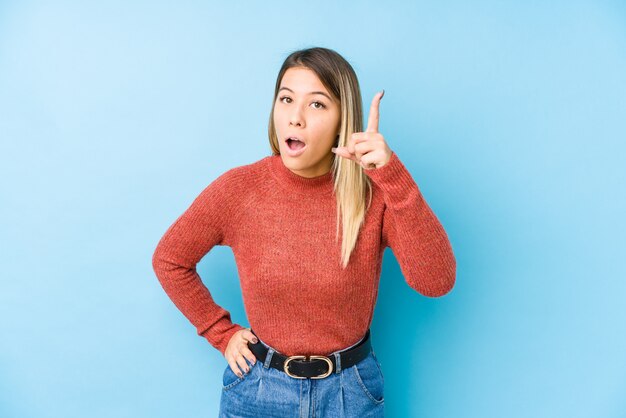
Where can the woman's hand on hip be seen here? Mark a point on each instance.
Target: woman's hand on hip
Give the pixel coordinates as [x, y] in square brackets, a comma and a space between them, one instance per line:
[237, 351]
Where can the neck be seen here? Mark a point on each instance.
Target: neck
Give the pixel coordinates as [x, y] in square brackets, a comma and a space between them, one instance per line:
[320, 169]
[302, 181]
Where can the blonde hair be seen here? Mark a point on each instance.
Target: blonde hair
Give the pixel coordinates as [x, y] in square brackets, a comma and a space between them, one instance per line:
[351, 184]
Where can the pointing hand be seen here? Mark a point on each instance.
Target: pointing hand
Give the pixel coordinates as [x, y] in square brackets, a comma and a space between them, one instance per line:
[368, 148]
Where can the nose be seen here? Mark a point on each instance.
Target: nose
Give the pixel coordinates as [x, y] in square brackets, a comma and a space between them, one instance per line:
[295, 119]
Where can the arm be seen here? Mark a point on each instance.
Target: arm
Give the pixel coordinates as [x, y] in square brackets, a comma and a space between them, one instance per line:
[203, 225]
[413, 232]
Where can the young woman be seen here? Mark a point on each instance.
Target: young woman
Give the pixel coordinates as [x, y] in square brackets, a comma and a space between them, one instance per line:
[308, 226]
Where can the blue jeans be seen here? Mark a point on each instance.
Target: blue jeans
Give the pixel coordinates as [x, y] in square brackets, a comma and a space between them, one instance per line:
[356, 391]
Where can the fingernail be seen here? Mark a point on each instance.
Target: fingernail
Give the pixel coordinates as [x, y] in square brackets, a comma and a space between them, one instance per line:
[254, 340]
[381, 96]
[333, 149]
[239, 374]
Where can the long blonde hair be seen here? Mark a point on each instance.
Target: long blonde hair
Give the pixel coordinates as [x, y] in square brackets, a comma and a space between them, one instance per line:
[351, 185]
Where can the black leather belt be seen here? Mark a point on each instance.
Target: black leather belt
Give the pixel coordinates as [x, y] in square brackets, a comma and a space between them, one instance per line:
[315, 367]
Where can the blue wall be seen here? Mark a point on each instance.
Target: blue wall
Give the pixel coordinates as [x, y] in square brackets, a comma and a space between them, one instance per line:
[510, 115]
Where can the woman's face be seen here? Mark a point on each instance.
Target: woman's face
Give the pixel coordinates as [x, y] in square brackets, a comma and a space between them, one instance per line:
[304, 109]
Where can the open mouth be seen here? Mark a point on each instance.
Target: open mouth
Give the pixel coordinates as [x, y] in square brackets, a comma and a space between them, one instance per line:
[295, 144]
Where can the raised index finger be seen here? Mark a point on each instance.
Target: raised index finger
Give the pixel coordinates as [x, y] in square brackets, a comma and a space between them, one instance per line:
[372, 121]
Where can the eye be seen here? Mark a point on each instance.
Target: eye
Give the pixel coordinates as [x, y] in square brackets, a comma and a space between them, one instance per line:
[317, 105]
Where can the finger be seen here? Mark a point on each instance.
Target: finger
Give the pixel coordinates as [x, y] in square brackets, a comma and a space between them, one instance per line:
[249, 355]
[233, 366]
[363, 147]
[350, 145]
[249, 336]
[360, 136]
[241, 362]
[372, 121]
[368, 161]
[353, 139]
[343, 152]
[365, 136]
[357, 142]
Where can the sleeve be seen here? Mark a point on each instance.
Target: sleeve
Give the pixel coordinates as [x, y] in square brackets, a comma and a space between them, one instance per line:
[206, 223]
[413, 232]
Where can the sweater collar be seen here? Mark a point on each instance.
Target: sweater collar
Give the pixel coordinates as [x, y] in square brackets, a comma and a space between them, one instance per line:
[292, 182]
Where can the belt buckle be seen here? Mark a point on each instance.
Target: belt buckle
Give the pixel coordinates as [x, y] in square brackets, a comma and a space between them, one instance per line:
[321, 376]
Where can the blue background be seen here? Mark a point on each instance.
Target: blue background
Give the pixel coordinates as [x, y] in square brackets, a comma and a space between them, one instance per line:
[511, 116]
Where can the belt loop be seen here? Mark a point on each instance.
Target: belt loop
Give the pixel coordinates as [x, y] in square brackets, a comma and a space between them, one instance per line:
[268, 357]
[337, 363]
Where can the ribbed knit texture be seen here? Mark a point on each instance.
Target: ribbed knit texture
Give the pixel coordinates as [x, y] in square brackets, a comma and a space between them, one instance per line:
[281, 229]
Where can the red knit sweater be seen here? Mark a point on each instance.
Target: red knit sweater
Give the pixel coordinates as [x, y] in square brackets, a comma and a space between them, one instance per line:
[281, 229]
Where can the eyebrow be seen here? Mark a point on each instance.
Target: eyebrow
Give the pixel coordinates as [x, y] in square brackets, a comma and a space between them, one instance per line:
[313, 92]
